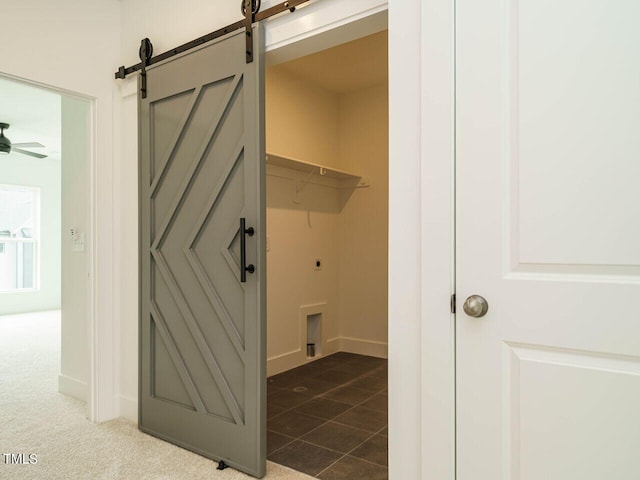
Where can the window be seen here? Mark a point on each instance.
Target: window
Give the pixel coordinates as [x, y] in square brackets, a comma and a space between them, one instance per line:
[19, 235]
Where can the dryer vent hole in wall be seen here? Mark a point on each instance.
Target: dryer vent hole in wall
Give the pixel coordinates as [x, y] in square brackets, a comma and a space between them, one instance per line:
[317, 264]
[314, 335]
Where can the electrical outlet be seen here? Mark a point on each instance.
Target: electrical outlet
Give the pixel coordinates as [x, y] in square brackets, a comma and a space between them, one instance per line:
[317, 264]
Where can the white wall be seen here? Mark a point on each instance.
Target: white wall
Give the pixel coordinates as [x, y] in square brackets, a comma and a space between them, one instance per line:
[74, 46]
[74, 365]
[43, 173]
[126, 251]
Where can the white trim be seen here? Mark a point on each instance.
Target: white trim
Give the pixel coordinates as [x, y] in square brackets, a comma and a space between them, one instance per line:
[73, 387]
[421, 152]
[295, 358]
[93, 326]
[331, 345]
[102, 404]
[128, 408]
[304, 312]
[321, 25]
[129, 86]
[100, 386]
[284, 362]
[128, 404]
[364, 347]
[102, 328]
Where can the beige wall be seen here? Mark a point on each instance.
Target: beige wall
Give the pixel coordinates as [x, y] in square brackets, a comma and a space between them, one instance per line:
[363, 224]
[297, 234]
[301, 122]
[302, 119]
[347, 229]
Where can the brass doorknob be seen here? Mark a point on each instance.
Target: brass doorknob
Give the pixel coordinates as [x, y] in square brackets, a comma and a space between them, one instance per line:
[475, 306]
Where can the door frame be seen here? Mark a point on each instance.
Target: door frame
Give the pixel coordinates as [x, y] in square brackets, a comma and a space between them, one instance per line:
[421, 210]
[421, 239]
[99, 369]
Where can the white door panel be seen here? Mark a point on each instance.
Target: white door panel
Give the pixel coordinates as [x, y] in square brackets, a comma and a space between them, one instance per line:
[571, 116]
[548, 162]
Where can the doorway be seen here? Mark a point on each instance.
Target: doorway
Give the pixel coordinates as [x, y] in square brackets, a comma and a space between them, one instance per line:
[327, 253]
[46, 188]
[421, 128]
[30, 199]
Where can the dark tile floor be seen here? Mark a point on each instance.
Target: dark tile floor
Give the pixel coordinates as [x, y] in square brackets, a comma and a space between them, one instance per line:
[328, 418]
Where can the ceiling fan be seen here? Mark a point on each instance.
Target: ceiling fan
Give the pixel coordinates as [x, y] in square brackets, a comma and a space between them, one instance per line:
[6, 147]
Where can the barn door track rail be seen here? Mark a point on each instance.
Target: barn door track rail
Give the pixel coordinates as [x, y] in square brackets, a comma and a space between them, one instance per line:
[250, 10]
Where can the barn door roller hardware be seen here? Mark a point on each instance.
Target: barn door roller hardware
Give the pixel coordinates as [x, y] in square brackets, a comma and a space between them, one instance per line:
[250, 10]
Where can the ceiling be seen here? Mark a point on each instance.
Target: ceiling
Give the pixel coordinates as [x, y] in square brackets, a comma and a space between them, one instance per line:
[346, 68]
[34, 115]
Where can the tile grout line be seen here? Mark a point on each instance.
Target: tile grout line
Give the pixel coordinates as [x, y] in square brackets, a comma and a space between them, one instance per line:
[353, 449]
[334, 418]
[327, 421]
[321, 395]
[368, 438]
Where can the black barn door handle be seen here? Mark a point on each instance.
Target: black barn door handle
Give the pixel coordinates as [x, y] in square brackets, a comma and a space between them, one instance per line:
[244, 268]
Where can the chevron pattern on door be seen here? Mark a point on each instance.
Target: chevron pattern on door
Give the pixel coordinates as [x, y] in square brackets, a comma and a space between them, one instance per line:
[202, 330]
[167, 259]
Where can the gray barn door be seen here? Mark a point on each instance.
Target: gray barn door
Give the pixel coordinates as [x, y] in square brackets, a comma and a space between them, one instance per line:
[202, 330]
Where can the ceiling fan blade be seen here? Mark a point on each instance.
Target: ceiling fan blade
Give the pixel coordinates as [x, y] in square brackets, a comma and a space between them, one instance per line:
[29, 145]
[25, 152]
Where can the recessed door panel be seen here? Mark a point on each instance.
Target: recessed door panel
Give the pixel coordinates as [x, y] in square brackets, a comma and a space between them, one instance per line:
[547, 98]
[202, 330]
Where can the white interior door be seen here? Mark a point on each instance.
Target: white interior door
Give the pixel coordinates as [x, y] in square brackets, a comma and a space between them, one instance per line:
[548, 209]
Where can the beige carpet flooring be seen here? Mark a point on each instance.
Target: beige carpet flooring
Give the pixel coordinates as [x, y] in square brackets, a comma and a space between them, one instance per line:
[36, 419]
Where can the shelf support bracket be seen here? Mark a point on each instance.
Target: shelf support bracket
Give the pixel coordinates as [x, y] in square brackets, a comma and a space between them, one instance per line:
[300, 185]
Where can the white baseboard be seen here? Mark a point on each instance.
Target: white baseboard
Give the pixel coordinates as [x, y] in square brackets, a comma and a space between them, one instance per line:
[289, 360]
[332, 346]
[129, 408]
[284, 362]
[364, 347]
[73, 387]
